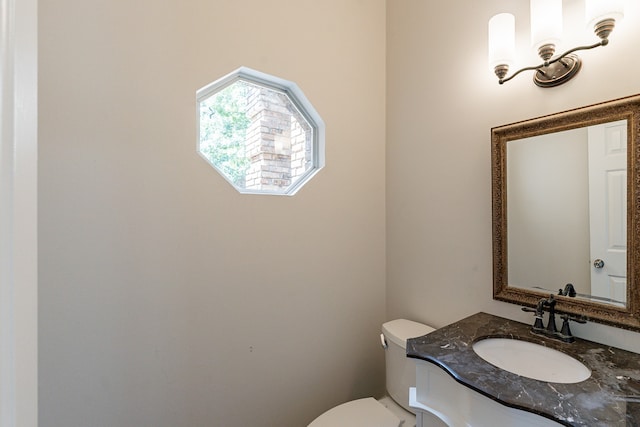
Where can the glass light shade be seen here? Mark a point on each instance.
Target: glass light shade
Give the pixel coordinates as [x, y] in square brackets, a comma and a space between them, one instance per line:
[598, 10]
[546, 22]
[502, 40]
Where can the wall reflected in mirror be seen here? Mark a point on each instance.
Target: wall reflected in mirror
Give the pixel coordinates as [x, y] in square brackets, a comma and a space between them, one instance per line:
[567, 207]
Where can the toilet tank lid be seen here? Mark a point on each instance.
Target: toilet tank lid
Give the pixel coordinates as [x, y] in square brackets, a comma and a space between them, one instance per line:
[400, 330]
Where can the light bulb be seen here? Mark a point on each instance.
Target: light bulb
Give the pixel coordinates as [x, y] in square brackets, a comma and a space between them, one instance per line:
[546, 22]
[599, 10]
[502, 36]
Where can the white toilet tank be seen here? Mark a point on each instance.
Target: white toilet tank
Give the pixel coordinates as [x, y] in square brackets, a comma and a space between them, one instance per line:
[401, 370]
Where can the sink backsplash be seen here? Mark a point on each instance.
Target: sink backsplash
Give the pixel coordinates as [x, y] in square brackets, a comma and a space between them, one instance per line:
[592, 331]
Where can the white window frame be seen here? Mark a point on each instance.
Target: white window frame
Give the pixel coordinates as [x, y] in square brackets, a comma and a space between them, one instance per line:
[18, 214]
[299, 100]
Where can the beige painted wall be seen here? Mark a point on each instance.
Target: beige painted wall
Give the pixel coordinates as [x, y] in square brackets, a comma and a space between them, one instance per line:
[161, 301]
[442, 102]
[166, 298]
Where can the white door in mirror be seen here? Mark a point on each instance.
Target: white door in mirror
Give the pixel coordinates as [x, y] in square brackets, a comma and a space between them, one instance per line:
[608, 210]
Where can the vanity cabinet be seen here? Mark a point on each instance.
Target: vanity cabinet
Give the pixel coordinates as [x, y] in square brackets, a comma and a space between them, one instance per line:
[439, 401]
[455, 387]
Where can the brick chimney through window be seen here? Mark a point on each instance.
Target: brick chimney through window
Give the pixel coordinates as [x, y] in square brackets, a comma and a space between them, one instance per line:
[279, 141]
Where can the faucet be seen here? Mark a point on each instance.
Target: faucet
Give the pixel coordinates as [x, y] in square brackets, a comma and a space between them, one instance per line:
[569, 291]
[551, 323]
[550, 330]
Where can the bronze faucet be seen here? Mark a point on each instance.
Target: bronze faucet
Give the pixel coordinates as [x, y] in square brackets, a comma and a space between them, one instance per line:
[550, 330]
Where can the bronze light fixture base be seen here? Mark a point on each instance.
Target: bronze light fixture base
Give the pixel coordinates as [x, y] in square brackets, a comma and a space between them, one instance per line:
[558, 72]
[555, 71]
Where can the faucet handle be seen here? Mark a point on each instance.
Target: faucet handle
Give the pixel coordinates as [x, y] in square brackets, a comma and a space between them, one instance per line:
[537, 325]
[565, 333]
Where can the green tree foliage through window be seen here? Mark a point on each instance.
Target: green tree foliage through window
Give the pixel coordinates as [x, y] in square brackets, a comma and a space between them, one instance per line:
[223, 129]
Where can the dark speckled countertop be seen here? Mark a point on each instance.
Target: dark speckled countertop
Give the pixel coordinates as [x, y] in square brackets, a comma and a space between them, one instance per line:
[610, 397]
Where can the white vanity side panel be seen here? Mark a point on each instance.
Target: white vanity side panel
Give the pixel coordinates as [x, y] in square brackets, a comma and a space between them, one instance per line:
[454, 405]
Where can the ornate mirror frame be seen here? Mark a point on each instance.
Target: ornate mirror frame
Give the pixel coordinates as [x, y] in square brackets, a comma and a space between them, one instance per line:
[621, 109]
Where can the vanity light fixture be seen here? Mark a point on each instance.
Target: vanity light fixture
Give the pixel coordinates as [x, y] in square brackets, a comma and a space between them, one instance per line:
[546, 33]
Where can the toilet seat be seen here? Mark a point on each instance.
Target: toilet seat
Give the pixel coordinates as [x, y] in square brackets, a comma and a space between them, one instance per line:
[366, 412]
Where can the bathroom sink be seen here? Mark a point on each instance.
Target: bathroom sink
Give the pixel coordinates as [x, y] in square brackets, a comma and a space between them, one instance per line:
[531, 360]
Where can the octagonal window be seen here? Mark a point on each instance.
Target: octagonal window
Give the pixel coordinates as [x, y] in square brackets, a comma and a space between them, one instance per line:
[259, 132]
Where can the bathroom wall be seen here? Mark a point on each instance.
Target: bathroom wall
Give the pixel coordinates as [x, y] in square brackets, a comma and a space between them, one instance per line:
[442, 101]
[161, 301]
[166, 298]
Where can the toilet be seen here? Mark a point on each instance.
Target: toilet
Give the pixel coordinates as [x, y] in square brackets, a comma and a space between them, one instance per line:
[392, 410]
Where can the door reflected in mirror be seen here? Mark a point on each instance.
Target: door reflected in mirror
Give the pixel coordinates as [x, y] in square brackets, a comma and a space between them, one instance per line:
[567, 199]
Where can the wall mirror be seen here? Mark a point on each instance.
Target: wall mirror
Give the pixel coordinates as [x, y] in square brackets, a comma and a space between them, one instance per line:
[566, 210]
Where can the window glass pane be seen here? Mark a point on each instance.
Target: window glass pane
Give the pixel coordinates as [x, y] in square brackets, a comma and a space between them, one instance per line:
[257, 137]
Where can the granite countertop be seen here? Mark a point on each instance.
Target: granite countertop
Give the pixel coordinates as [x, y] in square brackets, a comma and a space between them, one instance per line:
[610, 397]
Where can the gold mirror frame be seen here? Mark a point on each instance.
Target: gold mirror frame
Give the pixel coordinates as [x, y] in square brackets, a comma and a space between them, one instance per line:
[621, 109]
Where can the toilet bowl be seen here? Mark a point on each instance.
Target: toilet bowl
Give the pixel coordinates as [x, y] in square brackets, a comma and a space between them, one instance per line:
[392, 410]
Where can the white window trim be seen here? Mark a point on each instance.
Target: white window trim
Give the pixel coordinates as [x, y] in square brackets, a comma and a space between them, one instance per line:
[300, 101]
[18, 214]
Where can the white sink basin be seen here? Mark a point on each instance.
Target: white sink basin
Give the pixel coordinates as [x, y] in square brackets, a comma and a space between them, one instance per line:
[531, 360]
